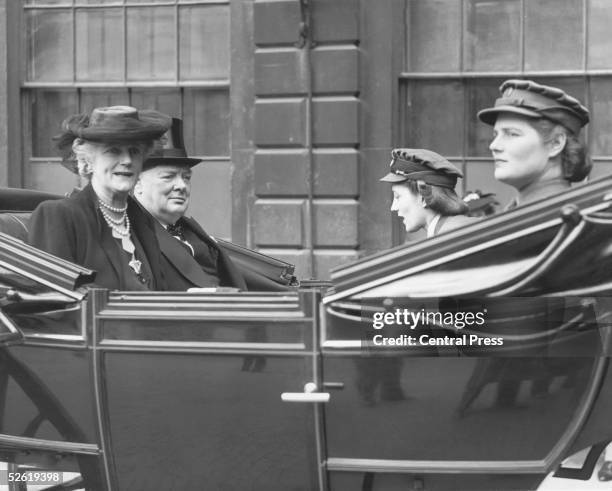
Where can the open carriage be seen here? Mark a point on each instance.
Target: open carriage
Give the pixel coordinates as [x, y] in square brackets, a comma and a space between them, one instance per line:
[296, 389]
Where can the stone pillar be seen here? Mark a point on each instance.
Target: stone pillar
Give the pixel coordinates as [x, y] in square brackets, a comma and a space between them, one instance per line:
[306, 134]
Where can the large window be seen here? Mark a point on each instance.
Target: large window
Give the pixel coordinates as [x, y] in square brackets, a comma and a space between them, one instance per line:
[459, 51]
[172, 56]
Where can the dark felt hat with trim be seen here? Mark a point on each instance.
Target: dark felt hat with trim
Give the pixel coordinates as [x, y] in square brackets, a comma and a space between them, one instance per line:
[170, 149]
[117, 124]
[533, 100]
[113, 124]
[419, 164]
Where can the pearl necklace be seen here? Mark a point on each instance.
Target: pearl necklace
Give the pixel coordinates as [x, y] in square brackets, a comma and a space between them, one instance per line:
[124, 235]
[114, 223]
[112, 208]
[119, 221]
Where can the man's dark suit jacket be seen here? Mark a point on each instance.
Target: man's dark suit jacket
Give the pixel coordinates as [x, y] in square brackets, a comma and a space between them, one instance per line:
[180, 269]
[74, 229]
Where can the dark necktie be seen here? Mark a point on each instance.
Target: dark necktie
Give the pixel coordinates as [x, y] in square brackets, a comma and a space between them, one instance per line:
[177, 230]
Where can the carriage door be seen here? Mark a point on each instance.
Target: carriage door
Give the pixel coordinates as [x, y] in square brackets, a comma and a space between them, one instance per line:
[192, 390]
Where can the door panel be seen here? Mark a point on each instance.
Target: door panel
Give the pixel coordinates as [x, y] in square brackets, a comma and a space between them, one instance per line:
[208, 421]
[426, 410]
[192, 391]
[414, 408]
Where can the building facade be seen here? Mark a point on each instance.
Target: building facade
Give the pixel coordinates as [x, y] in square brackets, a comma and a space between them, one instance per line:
[294, 105]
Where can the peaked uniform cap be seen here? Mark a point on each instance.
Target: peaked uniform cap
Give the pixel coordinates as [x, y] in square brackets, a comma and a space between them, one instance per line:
[419, 164]
[533, 100]
[170, 149]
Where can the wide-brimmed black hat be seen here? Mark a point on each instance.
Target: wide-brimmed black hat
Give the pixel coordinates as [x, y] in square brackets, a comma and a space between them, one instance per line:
[114, 124]
[117, 124]
[170, 149]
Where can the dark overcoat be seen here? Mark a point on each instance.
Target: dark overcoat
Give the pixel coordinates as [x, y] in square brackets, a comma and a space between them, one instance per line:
[74, 229]
[180, 269]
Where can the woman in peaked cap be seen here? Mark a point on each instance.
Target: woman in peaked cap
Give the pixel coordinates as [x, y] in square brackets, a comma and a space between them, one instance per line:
[102, 227]
[536, 140]
[423, 185]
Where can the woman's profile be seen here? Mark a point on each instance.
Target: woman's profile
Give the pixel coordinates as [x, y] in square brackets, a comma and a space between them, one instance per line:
[423, 185]
[536, 142]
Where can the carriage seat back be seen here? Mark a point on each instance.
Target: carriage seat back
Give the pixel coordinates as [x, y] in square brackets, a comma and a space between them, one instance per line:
[15, 224]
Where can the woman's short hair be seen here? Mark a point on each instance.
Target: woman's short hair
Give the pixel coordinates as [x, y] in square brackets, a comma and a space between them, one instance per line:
[82, 150]
[440, 199]
[575, 160]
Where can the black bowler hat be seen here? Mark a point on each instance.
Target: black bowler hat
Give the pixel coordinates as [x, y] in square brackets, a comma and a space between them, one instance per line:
[170, 149]
[419, 164]
[533, 100]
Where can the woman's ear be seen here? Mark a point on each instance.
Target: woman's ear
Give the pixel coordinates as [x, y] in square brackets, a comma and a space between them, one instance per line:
[422, 190]
[557, 143]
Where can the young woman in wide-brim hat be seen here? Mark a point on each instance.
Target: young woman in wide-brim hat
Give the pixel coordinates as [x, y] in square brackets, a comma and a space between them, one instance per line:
[102, 227]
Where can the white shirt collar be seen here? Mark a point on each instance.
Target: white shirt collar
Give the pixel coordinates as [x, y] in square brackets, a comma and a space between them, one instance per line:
[431, 228]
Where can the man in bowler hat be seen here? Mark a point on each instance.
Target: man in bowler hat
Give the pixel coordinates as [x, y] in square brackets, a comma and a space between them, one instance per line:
[190, 257]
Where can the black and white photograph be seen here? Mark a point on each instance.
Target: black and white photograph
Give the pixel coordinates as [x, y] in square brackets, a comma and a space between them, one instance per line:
[305, 245]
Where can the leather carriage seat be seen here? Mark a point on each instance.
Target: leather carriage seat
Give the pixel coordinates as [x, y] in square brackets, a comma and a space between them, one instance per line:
[15, 224]
[16, 205]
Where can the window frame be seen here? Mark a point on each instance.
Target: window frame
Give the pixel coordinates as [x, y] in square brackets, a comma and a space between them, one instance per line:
[465, 77]
[26, 89]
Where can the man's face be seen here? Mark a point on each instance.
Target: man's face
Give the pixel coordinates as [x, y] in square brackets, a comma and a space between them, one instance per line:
[164, 191]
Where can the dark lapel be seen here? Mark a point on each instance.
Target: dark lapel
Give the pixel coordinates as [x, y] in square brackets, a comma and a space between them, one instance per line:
[229, 275]
[102, 235]
[179, 257]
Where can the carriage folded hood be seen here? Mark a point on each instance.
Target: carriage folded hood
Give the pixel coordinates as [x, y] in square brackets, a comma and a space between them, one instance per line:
[559, 245]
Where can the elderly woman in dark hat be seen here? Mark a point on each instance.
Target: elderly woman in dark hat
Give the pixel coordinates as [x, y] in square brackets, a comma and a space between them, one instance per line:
[102, 227]
[536, 140]
[423, 185]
